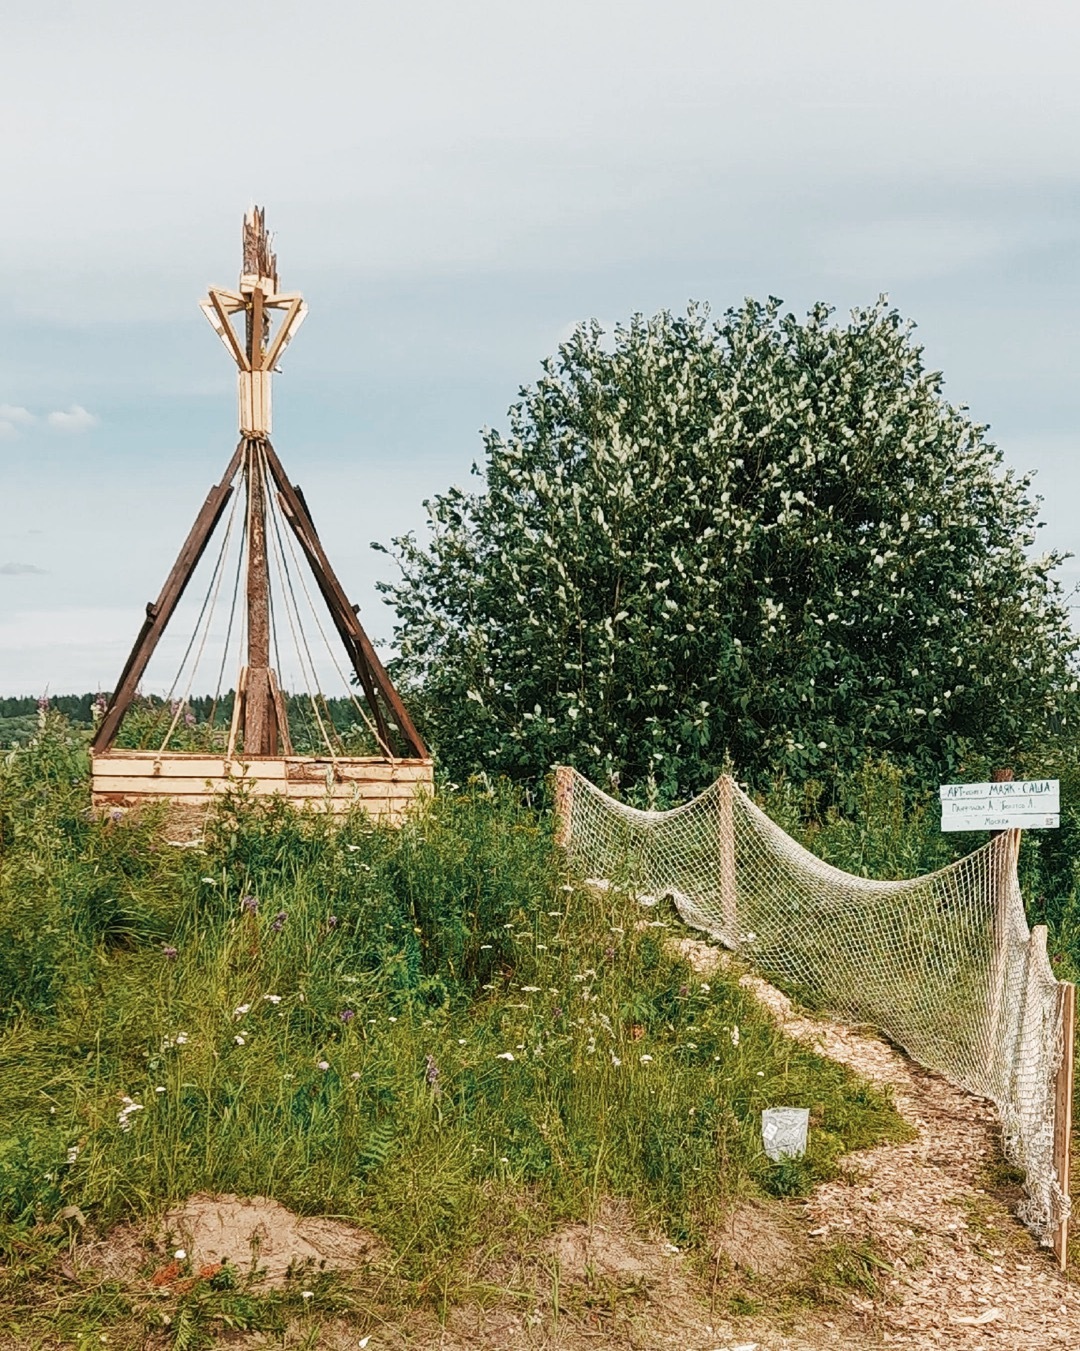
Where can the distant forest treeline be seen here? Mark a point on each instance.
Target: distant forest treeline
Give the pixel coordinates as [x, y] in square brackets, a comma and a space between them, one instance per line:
[18, 715]
[76, 707]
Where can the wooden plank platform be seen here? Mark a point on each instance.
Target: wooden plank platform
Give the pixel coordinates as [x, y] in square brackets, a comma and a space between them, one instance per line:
[384, 788]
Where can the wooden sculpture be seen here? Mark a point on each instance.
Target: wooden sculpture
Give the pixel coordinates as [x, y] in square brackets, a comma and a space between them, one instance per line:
[259, 750]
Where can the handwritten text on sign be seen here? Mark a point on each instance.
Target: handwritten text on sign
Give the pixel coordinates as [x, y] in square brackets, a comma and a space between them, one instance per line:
[1026, 804]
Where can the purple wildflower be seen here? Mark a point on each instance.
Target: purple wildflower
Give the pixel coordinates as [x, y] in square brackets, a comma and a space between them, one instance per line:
[167, 950]
[346, 1016]
[684, 990]
[189, 719]
[609, 953]
[116, 815]
[43, 704]
[556, 1012]
[249, 904]
[431, 1075]
[279, 921]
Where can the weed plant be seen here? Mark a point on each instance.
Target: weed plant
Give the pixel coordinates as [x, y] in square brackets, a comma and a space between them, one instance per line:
[433, 1031]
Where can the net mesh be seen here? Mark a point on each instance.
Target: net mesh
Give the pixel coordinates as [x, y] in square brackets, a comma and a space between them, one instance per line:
[945, 965]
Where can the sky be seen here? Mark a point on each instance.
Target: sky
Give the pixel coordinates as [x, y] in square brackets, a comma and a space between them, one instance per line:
[453, 187]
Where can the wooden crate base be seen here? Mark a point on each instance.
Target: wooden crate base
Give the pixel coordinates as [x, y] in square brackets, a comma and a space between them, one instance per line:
[383, 788]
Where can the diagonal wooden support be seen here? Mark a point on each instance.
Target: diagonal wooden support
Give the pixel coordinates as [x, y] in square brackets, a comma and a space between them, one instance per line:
[369, 669]
[160, 612]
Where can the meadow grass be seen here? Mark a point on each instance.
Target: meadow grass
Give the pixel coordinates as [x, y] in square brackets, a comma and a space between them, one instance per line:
[435, 1032]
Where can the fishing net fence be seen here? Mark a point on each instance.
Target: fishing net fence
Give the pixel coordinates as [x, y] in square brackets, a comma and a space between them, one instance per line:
[945, 965]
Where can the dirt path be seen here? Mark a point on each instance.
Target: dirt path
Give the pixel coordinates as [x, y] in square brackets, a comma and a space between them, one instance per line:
[965, 1273]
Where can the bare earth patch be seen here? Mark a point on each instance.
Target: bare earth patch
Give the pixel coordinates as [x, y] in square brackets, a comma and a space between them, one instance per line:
[761, 1241]
[603, 1285]
[237, 1230]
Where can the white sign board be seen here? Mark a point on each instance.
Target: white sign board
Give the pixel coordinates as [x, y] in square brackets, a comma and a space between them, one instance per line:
[1026, 804]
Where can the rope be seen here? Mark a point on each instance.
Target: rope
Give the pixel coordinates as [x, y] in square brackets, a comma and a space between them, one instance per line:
[228, 632]
[368, 721]
[289, 593]
[207, 609]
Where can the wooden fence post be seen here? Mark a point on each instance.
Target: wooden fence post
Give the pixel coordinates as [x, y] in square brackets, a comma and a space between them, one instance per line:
[728, 892]
[564, 803]
[1063, 1097]
[1006, 856]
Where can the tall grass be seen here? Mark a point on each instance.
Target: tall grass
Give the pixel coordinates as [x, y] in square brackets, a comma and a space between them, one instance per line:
[410, 1028]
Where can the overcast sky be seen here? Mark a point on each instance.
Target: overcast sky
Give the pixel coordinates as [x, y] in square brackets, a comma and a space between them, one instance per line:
[453, 186]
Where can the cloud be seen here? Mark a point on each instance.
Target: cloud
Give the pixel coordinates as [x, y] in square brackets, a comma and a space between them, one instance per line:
[20, 570]
[20, 417]
[75, 420]
[13, 419]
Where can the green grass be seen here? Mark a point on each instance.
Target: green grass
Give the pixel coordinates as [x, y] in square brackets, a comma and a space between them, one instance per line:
[413, 1029]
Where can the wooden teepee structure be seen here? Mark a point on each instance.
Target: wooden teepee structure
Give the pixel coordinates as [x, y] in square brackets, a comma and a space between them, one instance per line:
[259, 749]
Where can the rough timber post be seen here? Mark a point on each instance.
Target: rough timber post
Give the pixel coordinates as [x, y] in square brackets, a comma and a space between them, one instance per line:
[258, 282]
[260, 713]
[726, 843]
[1005, 855]
[256, 356]
[564, 802]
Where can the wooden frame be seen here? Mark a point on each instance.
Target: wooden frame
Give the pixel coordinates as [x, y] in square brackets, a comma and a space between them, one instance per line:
[384, 785]
[385, 789]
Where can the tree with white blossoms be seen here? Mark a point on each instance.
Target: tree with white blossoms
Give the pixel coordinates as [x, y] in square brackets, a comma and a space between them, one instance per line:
[763, 539]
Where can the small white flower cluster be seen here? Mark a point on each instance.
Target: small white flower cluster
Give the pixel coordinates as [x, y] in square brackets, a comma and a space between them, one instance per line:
[127, 1110]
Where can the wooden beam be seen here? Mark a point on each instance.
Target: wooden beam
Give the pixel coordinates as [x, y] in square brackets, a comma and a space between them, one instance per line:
[366, 662]
[282, 714]
[564, 805]
[227, 333]
[284, 334]
[727, 878]
[162, 766]
[237, 713]
[255, 330]
[259, 712]
[1063, 1099]
[160, 612]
